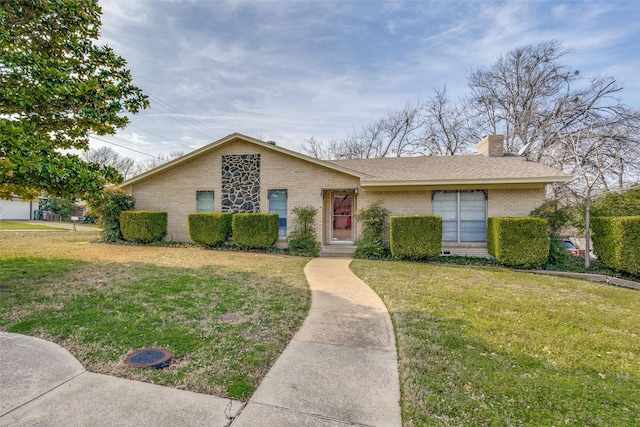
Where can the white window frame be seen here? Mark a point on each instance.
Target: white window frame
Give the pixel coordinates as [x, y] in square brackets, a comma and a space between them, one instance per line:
[460, 238]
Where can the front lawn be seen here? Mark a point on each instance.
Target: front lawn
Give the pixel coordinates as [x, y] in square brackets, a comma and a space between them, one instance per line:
[7, 224]
[493, 347]
[226, 316]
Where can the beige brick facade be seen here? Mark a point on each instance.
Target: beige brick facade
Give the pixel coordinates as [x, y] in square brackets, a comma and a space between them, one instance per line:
[172, 188]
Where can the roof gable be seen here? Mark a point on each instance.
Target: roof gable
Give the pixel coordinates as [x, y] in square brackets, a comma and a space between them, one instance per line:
[239, 137]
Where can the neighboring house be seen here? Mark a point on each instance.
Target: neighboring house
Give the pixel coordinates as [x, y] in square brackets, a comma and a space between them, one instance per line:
[242, 174]
[17, 209]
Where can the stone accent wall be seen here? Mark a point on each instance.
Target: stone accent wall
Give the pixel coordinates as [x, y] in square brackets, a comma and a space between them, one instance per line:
[241, 183]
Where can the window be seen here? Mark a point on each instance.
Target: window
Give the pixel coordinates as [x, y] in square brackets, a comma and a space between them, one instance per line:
[204, 200]
[464, 215]
[278, 205]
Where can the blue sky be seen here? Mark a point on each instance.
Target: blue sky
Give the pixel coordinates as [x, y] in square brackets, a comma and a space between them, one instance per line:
[289, 70]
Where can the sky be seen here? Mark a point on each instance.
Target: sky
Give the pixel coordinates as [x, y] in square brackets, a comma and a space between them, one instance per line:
[286, 71]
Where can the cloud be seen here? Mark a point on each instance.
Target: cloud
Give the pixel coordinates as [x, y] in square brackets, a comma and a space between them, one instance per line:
[291, 70]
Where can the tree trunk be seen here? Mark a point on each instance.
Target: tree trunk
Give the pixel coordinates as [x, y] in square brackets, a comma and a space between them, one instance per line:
[587, 230]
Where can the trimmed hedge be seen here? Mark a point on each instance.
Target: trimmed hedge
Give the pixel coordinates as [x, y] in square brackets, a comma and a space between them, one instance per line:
[518, 242]
[415, 237]
[209, 229]
[616, 240]
[143, 226]
[255, 230]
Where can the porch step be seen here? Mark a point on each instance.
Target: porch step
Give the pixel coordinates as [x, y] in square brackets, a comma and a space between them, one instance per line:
[338, 251]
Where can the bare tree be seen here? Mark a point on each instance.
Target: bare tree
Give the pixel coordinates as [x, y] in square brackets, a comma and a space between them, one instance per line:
[595, 150]
[159, 160]
[327, 150]
[446, 130]
[107, 156]
[396, 134]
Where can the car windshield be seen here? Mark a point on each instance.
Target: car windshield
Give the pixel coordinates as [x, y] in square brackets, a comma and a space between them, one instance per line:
[567, 244]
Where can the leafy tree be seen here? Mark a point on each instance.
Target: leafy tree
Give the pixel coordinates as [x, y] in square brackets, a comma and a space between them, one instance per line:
[62, 207]
[107, 206]
[56, 87]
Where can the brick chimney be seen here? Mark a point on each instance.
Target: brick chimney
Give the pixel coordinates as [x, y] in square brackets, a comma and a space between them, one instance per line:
[491, 146]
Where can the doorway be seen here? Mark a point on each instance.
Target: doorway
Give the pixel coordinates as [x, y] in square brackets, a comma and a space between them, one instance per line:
[342, 218]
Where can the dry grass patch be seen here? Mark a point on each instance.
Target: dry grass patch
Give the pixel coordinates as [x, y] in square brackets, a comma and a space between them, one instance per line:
[225, 316]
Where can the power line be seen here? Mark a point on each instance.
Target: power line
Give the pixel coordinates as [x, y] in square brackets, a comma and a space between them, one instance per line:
[122, 146]
[185, 118]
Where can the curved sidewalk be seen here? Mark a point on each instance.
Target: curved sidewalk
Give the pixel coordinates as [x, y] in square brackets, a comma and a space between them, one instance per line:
[340, 368]
[42, 384]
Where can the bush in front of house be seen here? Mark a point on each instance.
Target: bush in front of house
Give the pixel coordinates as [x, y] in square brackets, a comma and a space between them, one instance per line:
[373, 221]
[302, 240]
[415, 237]
[518, 242]
[616, 241]
[209, 229]
[254, 230]
[108, 207]
[143, 226]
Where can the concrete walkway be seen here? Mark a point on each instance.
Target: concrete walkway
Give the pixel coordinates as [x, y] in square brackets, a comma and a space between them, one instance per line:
[340, 369]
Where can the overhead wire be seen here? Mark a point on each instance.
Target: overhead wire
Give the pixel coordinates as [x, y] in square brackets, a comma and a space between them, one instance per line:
[175, 114]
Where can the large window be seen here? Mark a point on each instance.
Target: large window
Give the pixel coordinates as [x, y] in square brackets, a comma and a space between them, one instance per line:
[464, 215]
[204, 200]
[278, 205]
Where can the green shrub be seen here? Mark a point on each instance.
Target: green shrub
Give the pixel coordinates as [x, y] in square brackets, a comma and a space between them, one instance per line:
[518, 242]
[616, 241]
[302, 240]
[62, 207]
[254, 230]
[556, 215]
[371, 250]
[558, 254]
[373, 222]
[108, 206]
[209, 229]
[416, 236]
[143, 226]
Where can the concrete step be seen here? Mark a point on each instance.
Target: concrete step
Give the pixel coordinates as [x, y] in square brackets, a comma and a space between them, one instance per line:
[338, 251]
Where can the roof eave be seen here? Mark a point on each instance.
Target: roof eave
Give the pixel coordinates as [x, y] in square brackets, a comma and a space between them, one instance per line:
[448, 182]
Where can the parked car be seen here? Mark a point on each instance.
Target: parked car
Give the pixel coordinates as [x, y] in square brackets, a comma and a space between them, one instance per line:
[570, 247]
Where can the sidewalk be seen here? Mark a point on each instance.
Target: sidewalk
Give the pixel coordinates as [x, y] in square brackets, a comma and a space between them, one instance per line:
[340, 369]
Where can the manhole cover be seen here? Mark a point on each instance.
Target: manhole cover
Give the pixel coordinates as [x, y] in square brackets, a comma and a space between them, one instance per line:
[149, 358]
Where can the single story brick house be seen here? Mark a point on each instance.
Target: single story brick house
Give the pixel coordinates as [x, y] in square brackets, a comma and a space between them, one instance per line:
[242, 174]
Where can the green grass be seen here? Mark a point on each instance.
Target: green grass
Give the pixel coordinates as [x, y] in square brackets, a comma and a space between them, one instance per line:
[226, 317]
[23, 225]
[489, 346]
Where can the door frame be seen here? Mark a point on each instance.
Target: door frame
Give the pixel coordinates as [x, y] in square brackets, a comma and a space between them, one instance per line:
[330, 216]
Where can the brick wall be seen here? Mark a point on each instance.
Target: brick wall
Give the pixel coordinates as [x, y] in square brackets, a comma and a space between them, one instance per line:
[174, 190]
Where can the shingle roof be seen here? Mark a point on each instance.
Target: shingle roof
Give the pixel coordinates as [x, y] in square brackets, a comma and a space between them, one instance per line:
[451, 169]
